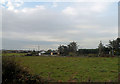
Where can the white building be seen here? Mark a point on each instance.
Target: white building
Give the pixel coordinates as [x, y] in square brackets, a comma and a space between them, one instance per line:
[41, 53]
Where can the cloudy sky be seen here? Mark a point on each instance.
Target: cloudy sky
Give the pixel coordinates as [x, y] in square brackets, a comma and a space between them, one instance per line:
[25, 25]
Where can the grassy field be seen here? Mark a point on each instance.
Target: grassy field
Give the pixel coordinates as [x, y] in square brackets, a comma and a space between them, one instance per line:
[13, 54]
[80, 69]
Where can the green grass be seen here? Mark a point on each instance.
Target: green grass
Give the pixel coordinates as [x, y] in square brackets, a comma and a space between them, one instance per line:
[80, 69]
[13, 54]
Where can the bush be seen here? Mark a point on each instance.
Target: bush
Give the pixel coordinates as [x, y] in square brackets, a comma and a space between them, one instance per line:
[92, 55]
[14, 73]
[72, 54]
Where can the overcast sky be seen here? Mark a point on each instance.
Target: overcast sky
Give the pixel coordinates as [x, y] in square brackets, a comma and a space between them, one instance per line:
[29, 24]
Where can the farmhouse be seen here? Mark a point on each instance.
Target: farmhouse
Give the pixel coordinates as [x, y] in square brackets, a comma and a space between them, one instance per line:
[41, 52]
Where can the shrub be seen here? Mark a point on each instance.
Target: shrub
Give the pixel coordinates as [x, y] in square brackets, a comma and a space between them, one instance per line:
[14, 73]
[92, 55]
[72, 54]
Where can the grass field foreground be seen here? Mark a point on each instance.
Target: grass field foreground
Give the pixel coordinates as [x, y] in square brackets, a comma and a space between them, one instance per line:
[79, 69]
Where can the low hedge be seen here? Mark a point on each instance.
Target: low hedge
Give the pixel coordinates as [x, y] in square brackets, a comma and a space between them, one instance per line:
[14, 73]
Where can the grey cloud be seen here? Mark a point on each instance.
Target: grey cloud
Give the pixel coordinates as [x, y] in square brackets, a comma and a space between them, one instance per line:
[56, 25]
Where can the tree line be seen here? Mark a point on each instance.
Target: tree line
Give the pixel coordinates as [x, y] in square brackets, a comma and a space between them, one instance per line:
[113, 48]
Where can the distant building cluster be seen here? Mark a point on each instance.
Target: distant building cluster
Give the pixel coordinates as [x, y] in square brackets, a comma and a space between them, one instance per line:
[113, 48]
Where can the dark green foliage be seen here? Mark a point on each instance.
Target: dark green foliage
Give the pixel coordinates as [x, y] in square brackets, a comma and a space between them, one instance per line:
[72, 54]
[14, 73]
[48, 52]
[106, 50]
[70, 49]
[115, 46]
[63, 50]
[34, 53]
[87, 51]
[101, 49]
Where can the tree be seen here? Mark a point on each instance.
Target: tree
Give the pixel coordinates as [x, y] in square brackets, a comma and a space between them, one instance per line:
[63, 50]
[48, 51]
[87, 51]
[72, 47]
[101, 49]
[118, 45]
[114, 46]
